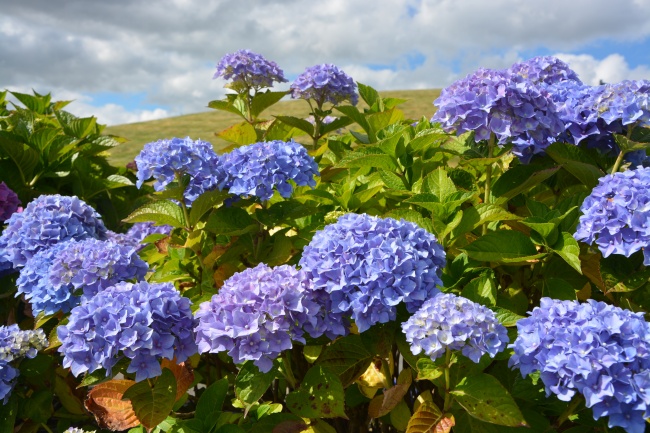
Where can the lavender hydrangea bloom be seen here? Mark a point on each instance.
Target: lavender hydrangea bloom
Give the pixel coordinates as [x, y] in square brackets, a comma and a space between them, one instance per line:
[256, 315]
[367, 265]
[325, 83]
[166, 160]
[447, 321]
[143, 322]
[249, 70]
[255, 170]
[616, 215]
[14, 345]
[61, 277]
[496, 102]
[595, 349]
[48, 220]
[138, 232]
[544, 70]
[9, 202]
[78, 430]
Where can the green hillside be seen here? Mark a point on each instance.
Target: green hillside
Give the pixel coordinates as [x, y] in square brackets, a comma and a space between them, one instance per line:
[204, 125]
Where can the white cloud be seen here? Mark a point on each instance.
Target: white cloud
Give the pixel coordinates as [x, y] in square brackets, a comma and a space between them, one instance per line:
[611, 69]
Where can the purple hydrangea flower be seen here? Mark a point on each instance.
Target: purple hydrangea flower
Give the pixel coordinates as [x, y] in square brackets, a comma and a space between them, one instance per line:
[249, 70]
[364, 266]
[255, 170]
[325, 83]
[167, 160]
[9, 202]
[256, 315]
[143, 322]
[447, 321]
[14, 345]
[544, 70]
[48, 220]
[616, 215]
[595, 349]
[68, 273]
[496, 102]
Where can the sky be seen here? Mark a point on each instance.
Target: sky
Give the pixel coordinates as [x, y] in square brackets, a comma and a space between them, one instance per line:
[127, 61]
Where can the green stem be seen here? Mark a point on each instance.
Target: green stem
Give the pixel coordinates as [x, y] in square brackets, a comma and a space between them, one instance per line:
[46, 428]
[488, 175]
[569, 410]
[618, 162]
[448, 398]
[288, 372]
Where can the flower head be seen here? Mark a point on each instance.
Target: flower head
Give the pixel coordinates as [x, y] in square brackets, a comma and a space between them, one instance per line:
[325, 83]
[138, 232]
[616, 215]
[256, 315]
[9, 202]
[364, 266]
[496, 102]
[595, 349]
[168, 160]
[143, 322]
[78, 430]
[249, 70]
[14, 345]
[255, 170]
[60, 277]
[544, 70]
[47, 220]
[447, 321]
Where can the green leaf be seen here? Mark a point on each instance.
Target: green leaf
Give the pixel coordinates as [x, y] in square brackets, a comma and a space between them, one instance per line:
[506, 317]
[427, 419]
[480, 214]
[368, 94]
[225, 106]
[264, 100]
[520, 179]
[576, 162]
[25, 158]
[242, 133]
[161, 212]
[251, 383]
[8, 414]
[152, 405]
[391, 180]
[320, 395]
[503, 246]
[230, 221]
[428, 201]
[297, 122]
[354, 114]
[338, 123]
[38, 407]
[567, 248]
[356, 159]
[346, 357]
[210, 403]
[204, 203]
[557, 288]
[628, 145]
[428, 370]
[34, 103]
[631, 282]
[484, 398]
[439, 184]
[482, 290]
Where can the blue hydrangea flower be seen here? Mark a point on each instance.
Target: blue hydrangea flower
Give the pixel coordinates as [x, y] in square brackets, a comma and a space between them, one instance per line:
[61, 277]
[249, 70]
[325, 83]
[256, 315]
[48, 220]
[143, 322]
[447, 321]
[16, 344]
[255, 170]
[496, 102]
[544, 70]
[616, 215]
[166, 160]
[138, 232]
[595, 349]
[9, 202]
[368, 265]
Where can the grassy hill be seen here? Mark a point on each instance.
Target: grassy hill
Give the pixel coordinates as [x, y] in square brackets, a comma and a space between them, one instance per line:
[204, 125]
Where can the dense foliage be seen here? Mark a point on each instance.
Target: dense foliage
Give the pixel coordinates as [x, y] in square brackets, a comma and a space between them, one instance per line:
[354, 271]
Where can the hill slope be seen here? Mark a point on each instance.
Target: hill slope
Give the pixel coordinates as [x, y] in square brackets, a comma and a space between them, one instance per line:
[204, 125]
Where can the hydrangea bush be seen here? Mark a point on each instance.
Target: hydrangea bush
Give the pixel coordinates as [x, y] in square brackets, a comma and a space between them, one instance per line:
[322, 287]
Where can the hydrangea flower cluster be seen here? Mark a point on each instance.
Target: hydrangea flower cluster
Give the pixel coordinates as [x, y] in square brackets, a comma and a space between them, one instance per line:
[256, 315]
[255, 170]
[325, 83]
[496, 102]
[9, 202]
[367, 265]
[14, 345]
[139, 231]
[595, 349]
[52, 279]
[78, 430]
[452, 322]
[140, 321]
[249, 70]
[167, 160]
[544, 70]
[616, 215]
[47, 220]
